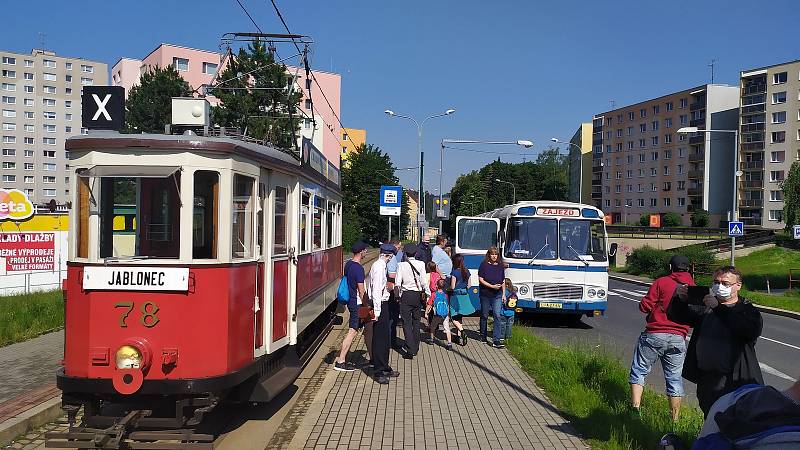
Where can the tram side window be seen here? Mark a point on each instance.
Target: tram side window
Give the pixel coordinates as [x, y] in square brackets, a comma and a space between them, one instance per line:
[205, 216]
[329, 220]
[139, 217]
[279, 245]
[242, 217]
[305, 201]
[83, 217]
[317, 227]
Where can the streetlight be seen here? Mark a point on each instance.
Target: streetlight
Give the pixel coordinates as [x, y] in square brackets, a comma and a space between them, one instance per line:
[520, 142]
[580, 176]
[513, 191]
[482, 198]
[421, 154]
[736, 174]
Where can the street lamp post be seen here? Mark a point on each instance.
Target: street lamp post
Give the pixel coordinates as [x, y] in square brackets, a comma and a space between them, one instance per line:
[482, 198]
[520, 142]
[513, 190]
[580, 176]
[736, 174]
[421, 154]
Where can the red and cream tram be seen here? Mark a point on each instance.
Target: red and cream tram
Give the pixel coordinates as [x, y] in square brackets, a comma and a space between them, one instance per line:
[216, 288]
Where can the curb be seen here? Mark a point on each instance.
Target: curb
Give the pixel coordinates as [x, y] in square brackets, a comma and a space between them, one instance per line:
[763, 309]
[29, 419]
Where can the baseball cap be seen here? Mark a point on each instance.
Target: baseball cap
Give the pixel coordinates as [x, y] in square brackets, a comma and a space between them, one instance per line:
[388, 249]
[359, 246]
[679, 263]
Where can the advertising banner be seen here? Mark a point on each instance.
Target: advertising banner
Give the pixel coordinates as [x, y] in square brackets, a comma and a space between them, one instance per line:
[21, 252]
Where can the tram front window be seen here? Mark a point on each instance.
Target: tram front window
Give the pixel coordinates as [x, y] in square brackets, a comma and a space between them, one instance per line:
[582, 240]
[531, 238]
[139, 216]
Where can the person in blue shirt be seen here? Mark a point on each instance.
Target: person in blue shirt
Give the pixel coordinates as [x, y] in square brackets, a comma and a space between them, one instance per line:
[394, 302]
[460, 303]
[509, 303]
[444, 265]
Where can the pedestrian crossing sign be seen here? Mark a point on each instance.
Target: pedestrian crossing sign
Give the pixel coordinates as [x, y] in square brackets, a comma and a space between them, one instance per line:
[735, 229]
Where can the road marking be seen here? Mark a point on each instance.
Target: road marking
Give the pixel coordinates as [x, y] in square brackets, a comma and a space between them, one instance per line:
[634, 293]
[617, 294]
[782, 343]
[773, 371]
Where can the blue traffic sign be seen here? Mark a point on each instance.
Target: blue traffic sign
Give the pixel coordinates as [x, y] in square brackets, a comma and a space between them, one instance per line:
[391, 200]
[796, 231]
[735, 229]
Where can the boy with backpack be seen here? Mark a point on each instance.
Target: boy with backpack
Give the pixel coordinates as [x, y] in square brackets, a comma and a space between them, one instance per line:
[441, 312]
[509, 303]
[353, 282]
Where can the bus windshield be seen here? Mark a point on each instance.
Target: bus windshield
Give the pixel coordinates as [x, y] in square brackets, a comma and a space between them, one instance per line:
[531, 238]
[582, 240]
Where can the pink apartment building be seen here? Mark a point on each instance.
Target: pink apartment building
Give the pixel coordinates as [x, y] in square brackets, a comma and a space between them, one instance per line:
[198, 68]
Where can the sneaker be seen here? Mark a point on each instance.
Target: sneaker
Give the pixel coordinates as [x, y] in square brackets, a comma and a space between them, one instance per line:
[344, 366]
[499, 344]
[449, 346]
[382, 380]
[462, 339]
[391, 374]
[428, 341]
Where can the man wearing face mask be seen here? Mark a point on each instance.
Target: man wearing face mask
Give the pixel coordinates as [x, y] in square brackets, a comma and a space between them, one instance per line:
[721, 356]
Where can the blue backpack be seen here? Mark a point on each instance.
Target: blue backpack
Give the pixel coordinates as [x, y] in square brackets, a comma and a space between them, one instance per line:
[440, 304]
[343, 292]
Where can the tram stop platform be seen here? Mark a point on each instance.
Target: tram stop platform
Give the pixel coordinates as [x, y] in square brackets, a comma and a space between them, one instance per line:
[474, 397]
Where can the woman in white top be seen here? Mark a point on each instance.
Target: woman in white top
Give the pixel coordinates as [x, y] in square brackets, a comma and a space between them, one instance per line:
[412, 285]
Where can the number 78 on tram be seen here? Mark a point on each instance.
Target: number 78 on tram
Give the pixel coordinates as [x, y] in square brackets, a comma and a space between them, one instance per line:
[556, 254]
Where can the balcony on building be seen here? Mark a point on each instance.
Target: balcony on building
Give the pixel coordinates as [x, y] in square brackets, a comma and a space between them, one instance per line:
[597, 169]
[753, 127]
[597, 195]
[752, 184]
[695, 157]
[751, 202]
[696, 173]
[695, 192]
[753, 147]
[754, 88]
[697, 105]
[597, 182]
[697, 122]
[752, 165]
[752, 109]
[697, 139]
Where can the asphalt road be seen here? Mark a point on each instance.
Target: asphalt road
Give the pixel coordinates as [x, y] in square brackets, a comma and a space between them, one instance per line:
[778, 349]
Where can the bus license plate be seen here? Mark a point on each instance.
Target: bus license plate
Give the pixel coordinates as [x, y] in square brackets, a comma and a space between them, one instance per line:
[550, 305]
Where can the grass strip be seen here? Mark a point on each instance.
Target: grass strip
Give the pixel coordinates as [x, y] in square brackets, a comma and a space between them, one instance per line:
[26, 316]
[789, 300]
[591, 390]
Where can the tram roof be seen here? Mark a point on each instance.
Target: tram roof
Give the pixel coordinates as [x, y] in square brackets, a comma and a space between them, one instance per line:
[511, 210]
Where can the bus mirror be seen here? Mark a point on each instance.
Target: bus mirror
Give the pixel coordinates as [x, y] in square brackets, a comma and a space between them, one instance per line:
[501, 237]
[613, 250]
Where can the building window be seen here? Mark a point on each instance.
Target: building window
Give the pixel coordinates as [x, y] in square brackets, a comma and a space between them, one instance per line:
[48, 128]
[681, 201]
[9, 60]
[308, 103]
[9, 126]
[653, 202]
[89, 69]
[680, 169]
[666, 170]
[28, 179]
[630, 145]
[9, 165]
[49, 89]
[9, 139]
[28, 63]
[776, 196]
[630, 115]
[29, 128]
[619, 131]
[642, 127]
[775, 176]
[629, 174]
[667, 201]
[48, 179]
[68, 66]
[180, 64]
[10, 178]
[654, 125]
[780, 78]
[619, 147]
[684, 119]
[9, 113]
[68, 117]
[68, 78]
[67, 103]
[50, 115]
[9, 152]
[28, 76]
[779, 117]
[49, 63]
[28, 141]
[68, 129]
[684, 103]
[778, 136]
[10, 73]
[49, 102]
[608, 203]
[681, 185]
[29, 89]
[776, 215]
[29, 102]
[209, 68]
[777, 157]
[667, 138]
[49, 77]
[667, 185]
[49, 141]
[681, 137]
[49, 192]
[654, 140]
[29, 115]
[630, 131]
[9, 100]
[49, 167]
[643, 112]
[669, 106]
[778, 97]
[618, 189]
[619, 175]
[49, 153]
[641, 158]
[642, 143]
[654, 156]
[68, 91]
[656, 109]
[653, 172]
[86, 81]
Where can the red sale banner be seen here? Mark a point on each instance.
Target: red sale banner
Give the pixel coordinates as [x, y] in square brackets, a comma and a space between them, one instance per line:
[28, 251]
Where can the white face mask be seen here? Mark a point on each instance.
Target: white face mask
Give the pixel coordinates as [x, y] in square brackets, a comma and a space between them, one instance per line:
[721, 291]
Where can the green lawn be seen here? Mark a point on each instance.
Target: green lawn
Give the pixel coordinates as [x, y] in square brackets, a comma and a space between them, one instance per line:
[591, 390]
[789, 300]
[773, 263]
[29, 315]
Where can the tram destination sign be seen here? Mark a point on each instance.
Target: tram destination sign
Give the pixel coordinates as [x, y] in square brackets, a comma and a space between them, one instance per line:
[103, 107]
[109, 278]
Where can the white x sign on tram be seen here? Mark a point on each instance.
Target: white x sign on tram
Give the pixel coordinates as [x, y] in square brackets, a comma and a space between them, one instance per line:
[101, 106]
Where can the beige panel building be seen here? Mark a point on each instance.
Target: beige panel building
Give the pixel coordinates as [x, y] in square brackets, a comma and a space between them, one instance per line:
[770, 140]
[40, 107]
[641, 165]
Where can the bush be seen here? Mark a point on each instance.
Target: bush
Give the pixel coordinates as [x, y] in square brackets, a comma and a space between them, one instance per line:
[700, 218]
[350, 234]
[644, 220]
[647, 261]
[671, 219]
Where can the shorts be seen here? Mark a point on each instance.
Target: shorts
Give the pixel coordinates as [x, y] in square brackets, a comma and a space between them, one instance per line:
[354, 321]
[670, 349]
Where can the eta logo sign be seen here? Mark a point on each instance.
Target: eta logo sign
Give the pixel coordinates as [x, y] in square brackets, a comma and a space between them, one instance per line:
[14, 205]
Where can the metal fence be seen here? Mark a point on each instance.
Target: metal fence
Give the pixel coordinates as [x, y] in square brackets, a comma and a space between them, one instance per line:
[665, 232]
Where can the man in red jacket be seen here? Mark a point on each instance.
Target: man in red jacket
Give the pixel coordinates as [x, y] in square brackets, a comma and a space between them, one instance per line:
[662, 338]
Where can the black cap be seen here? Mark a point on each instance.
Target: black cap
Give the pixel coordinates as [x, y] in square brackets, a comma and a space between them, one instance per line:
[359, 246]
[388, 249]
[410, 249]
[679, 263]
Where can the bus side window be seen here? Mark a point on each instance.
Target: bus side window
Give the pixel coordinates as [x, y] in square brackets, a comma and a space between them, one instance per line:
[205, 216]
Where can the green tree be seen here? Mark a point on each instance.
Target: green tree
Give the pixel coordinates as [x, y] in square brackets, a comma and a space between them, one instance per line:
[791, 197]
[700, 218]
[149, 104]
[671, 219]
[644, 220]
[257, 95]
[369, 168]
[553, 174]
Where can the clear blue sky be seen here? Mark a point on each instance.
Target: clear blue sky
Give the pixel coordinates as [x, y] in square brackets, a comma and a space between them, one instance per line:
[512, 70]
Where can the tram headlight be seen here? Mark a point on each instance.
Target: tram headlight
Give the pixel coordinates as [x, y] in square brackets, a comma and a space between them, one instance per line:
[601, 293]
[128, 357]
[524, 289]
[591, 293]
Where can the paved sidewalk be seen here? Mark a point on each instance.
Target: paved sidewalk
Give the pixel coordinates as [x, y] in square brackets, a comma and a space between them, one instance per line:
[475, 397]
[30, 365]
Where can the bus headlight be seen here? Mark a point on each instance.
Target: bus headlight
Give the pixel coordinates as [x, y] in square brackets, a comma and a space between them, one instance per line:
[128, 357]
[524, 289]
[591, 293]
[601, 293]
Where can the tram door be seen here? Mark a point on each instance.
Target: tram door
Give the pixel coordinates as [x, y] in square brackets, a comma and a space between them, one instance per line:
[281, 253]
